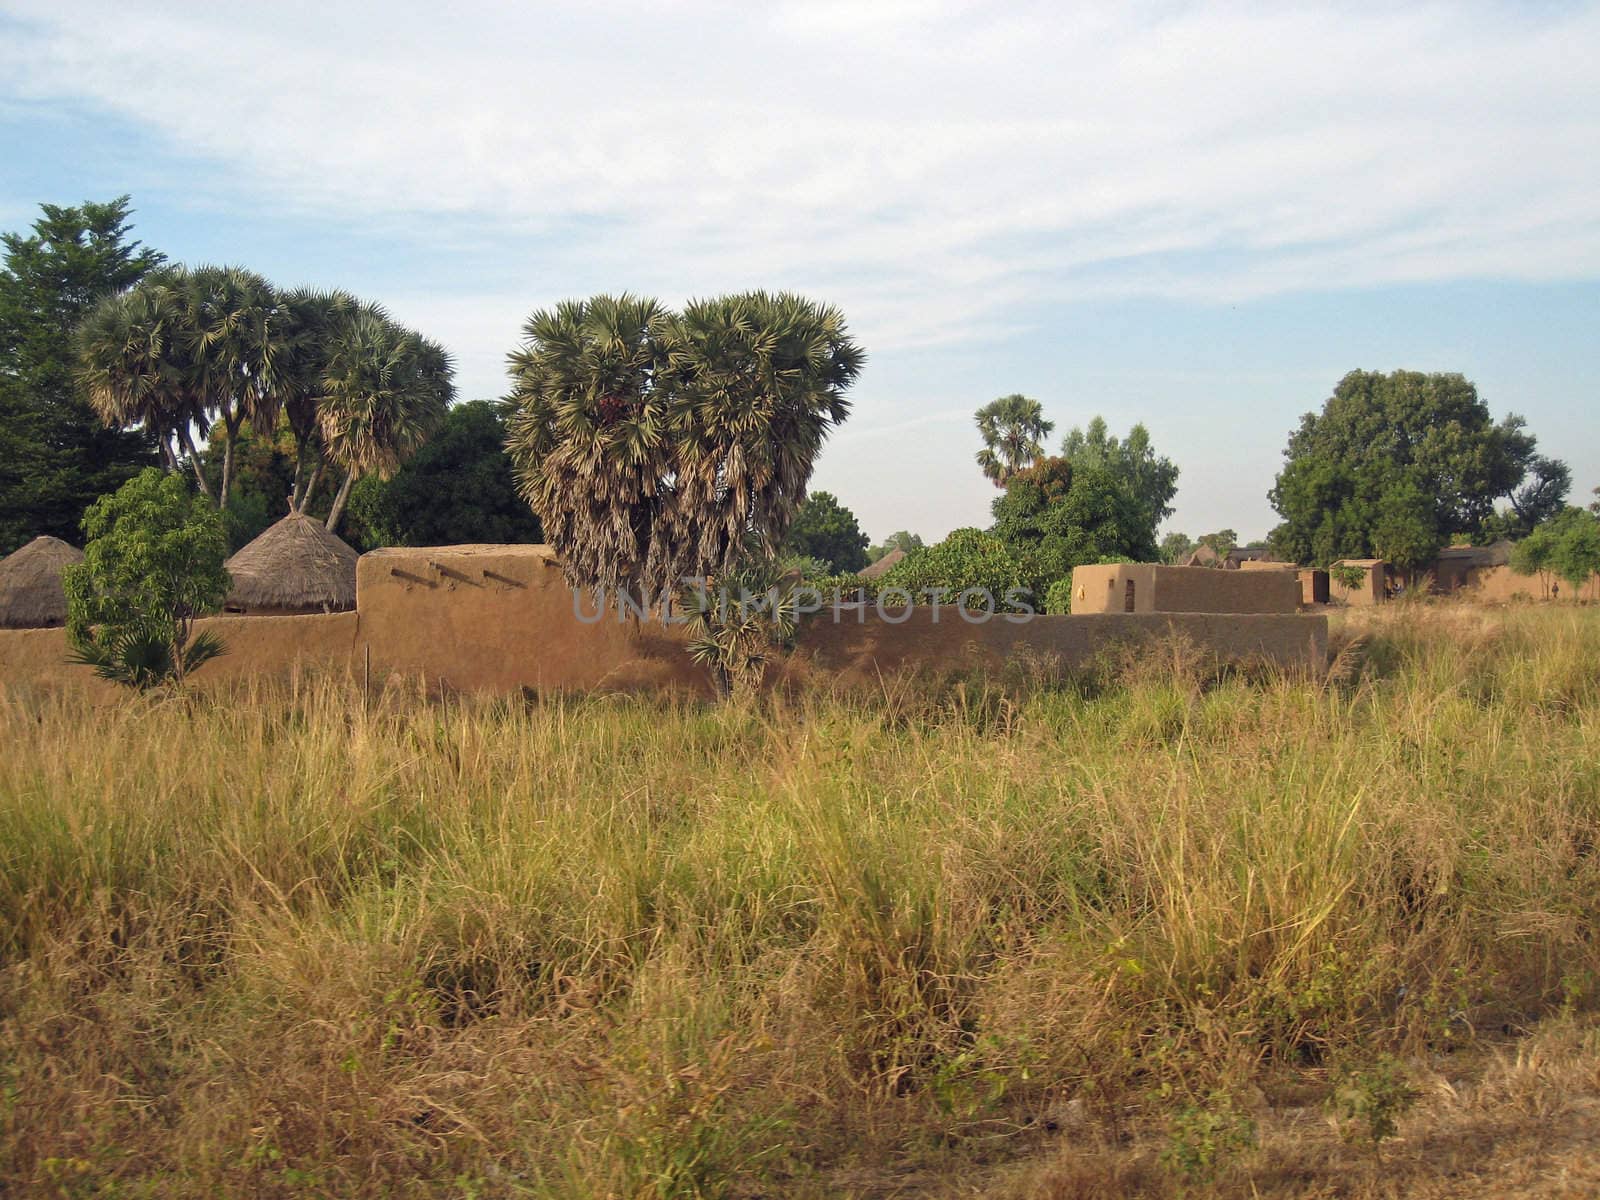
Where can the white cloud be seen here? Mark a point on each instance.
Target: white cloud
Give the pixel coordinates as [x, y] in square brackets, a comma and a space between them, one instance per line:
[931, 167]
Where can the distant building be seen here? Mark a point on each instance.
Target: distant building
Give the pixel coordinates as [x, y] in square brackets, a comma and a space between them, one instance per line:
[884, 565]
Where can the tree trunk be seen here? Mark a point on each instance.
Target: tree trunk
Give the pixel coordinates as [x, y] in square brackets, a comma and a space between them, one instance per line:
[337, 510]
[230, 432]
[169, 455]
[194, 461]
[304, 502]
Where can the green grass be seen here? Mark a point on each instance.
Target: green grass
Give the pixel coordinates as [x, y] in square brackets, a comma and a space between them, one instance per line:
[282, 943]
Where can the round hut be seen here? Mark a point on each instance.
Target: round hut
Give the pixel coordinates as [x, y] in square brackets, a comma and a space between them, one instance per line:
[31, 596]
[295, 567]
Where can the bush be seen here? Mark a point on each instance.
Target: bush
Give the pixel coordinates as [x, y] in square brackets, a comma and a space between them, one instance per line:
[967, 559]
[1058, 597]
[153, 563]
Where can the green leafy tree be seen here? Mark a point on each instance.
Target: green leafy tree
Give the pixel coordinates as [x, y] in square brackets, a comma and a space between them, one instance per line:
[1566, 547]
[56, 455]
[152, 564]
[658, 446]
[1013, 430]
[1382, 440]
[1175, 547]
[263, 477]
[1404, 533]
[458, 487]
[1149, 478]
[966, 559]
[1055, 517]
[1223, 541]
[902, 540]
[827, 531]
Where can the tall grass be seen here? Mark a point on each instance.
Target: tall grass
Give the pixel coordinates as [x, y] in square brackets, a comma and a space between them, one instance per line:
[289, 942]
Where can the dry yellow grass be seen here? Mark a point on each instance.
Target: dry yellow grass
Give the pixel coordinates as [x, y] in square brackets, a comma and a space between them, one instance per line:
[1032, 938]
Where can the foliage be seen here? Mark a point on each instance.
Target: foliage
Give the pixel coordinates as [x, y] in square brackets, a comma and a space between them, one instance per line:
[1541, 497]
[736, 621]
[457, 488]
[967, 559]
[1346, 576]
[219, 349]
[1054, 517]
[385, 390]
[655, 445]
[1405, 534]
[56, 456]
[152, 564]
[1205, 1135]
[1355, 471]
[1013, 429]
[1174, 548]
[825, 530]
[903, 540]
[1368, 1100]
[262, 479]
[1223, 541]
[1150, 479]
[1566, 546]
[1058, 598]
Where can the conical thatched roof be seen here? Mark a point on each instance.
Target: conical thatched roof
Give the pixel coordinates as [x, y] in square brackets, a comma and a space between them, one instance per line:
[296, 566]
[30, 584]
[883, 565]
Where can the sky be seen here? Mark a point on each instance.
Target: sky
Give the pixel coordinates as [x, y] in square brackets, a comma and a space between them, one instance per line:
[1195, 217]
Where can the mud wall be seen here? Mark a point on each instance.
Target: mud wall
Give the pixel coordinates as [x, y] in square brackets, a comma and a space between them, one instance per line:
[36, 659]
[1501, 585]
[1159, 589]
[501, 618]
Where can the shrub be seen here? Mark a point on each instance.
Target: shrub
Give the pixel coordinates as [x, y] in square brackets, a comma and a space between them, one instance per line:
[967, 559]
[153, 563]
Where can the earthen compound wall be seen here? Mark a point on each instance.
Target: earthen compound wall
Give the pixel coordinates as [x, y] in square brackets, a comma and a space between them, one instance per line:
[501, 618]
[1149, 588]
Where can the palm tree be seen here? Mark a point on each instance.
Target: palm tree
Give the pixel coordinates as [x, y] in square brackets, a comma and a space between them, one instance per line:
[133, 364]
[656, 446]
[758, 382]
[385, 390]
[226, 318]
[1013, 429]
[587, 434]
[304, 326]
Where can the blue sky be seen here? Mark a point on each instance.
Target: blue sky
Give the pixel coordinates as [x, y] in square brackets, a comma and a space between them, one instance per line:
[1194, 217]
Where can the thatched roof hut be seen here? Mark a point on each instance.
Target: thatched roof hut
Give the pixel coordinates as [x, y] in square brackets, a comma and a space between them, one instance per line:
[296, 566]
[883, 566]
[30, 584]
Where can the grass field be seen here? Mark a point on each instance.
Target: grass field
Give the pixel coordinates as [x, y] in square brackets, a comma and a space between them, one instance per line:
[1152, 930]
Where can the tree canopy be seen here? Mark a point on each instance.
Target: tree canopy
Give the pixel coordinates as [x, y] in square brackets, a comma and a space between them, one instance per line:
[153, 562]
[902, 540]
[219, 349]
[967, 558]
[1055, 517]
[1013, 429]
[657, 446]
[827, 531]
[56, 455]
[457, 488]
[1397, 465]
[1151, 480]
[1566, 547]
